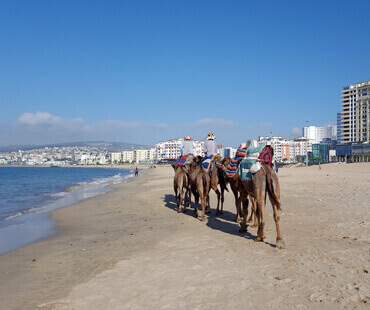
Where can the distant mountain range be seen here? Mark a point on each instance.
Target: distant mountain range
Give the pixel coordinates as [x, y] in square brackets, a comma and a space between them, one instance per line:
[104, 146]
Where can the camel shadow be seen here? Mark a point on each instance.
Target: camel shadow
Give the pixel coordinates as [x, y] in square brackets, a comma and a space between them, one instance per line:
[224, 222]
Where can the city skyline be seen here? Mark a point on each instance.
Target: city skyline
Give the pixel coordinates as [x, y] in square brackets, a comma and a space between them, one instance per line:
[139, 72]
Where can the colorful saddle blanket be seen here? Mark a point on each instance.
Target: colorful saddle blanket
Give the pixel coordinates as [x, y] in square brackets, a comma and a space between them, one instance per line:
[184, 160]
[232, 167]
[210, 162]
[263, 154]
[181, 160]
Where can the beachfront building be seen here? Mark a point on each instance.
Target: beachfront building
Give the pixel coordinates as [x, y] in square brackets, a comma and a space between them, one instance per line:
[355, 113]
[318, 134]
[171, 149]
[339, 127]
[136, 156]
[139, 155]
[116, 157]
[128, 156]
[287, 150]
[320, 153]
[147, 155]
[198, 148]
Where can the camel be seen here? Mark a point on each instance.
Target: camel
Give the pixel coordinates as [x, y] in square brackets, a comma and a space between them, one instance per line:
[180, 185]
[265, 180]
[240, 194]
[218, 177]
[199, 184]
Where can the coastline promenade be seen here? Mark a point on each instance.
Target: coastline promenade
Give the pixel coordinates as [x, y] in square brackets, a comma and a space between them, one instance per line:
[130, 249]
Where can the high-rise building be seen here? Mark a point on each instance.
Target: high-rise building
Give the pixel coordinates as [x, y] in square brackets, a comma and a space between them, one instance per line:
[355, 113]
[339, 127]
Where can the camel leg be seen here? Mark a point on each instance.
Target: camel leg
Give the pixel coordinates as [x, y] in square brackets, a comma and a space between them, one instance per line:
[203, 201]
[243, 224]
[187, 199]
[259, 220]
[222, 200]
[253, 212]
[208, 208]
[237, 205]
[280, 244]
[179, 206]
[218, 201]
[177, 199]
[196, 200]
[260, 212]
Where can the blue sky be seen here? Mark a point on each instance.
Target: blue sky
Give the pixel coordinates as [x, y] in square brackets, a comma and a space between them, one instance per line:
[144, 71]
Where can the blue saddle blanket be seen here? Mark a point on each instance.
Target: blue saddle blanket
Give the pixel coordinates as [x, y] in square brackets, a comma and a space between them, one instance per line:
[207, 161]
[249, 160]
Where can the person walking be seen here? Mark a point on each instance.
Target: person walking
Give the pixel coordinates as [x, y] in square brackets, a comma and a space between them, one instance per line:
[210, 145]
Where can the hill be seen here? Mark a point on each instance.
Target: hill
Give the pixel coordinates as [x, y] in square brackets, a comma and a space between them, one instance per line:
[104, 146]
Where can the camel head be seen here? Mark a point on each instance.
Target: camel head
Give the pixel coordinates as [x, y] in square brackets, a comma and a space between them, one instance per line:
[226, 161]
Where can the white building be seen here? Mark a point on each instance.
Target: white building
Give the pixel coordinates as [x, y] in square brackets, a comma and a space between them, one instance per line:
[318, 134]
[287, 149]
[171, 149]
[128, 156]
[116, 157]
[355, 117]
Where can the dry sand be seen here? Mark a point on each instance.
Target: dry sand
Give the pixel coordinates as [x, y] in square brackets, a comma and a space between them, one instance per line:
[130, 249]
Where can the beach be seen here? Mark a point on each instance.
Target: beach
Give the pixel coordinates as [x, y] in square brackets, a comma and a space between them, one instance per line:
[131, 249]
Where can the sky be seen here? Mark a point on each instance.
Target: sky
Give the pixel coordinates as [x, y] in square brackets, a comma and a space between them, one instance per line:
[147, 71]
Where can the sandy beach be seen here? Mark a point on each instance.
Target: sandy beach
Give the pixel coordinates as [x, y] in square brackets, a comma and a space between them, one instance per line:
[130, 249]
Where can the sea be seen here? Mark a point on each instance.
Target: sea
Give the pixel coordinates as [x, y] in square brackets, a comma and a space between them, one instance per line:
[28, 194]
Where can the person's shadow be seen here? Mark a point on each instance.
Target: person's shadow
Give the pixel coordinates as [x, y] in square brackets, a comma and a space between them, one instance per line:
[224, 222]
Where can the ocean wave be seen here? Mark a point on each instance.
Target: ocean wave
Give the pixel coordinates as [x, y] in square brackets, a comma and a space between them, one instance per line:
[20, 213]
[64, 194]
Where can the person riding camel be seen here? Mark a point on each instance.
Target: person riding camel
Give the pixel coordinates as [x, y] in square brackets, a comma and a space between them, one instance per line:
[210, 145]
[187, 146]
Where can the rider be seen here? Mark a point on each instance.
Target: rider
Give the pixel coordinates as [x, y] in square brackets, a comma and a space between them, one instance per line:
[210, 145]
[187, 146]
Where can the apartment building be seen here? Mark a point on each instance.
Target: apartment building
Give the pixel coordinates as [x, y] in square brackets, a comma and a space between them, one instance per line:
[133, 156]
[144, 155]
[355, 113]
[127, 156]
[318, 134]
[171, 149]
[339, 127]
[116, 157]
[287, 149]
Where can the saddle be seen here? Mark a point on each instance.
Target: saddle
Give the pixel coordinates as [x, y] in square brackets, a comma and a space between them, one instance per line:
[210, 162]
[252, 162]
[232, 167]
[184, 160]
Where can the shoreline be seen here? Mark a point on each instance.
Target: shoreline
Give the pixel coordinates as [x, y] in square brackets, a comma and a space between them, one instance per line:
[130, 249]
[56, 261]
[32, 225]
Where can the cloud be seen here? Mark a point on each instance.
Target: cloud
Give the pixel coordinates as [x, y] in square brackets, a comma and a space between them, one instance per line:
[296, 132]
[216, 122]
[39, 119]
[43, 127]
[159, 125]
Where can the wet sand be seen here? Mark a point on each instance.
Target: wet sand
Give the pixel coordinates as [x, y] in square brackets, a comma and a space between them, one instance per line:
[130, 249]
